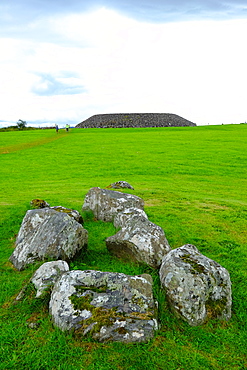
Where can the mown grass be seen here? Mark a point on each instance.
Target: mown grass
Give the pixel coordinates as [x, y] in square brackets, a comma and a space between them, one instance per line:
[193, 182]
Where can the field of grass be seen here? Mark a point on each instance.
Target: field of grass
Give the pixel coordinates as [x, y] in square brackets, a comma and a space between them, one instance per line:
[193, 181]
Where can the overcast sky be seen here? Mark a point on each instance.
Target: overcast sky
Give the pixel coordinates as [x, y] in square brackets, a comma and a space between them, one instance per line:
[64, 61]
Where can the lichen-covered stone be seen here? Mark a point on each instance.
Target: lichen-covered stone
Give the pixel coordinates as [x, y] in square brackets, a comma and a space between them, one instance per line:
[47, 274]
[196, 287]
[48, 234]
[140, 240]
[120, 185]
[122, 218]
[70, 212]
[39, 203]
[109, 306]
[105, 204]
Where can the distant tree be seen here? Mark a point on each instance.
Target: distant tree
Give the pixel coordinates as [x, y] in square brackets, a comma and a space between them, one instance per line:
[21, 124]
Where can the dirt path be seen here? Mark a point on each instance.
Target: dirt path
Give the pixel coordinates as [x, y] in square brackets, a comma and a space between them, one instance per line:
[23, 146]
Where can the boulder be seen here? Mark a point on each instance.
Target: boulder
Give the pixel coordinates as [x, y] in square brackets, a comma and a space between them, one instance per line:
[47, 274]
[105, 204]
[47, 234]
[139, 240]
[123, 217]
[196, 287]
[70, 212]
[120, 184]
[109, 306]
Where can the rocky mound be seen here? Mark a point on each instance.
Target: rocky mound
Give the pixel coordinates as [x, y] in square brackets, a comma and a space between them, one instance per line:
[134, 120]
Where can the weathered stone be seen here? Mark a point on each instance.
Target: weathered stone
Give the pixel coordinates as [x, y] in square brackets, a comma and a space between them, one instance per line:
[119, 185]
[139, 240]
[39, 203]
[197, 287]
[47, 234]
[109, 306]
[70, 212]
[105, 204]
[47, 274]
[122, 218]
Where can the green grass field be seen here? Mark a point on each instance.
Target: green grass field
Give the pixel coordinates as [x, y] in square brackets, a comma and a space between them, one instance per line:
[193, 181]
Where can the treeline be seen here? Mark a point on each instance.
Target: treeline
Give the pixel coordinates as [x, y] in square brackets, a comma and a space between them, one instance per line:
[15, 128]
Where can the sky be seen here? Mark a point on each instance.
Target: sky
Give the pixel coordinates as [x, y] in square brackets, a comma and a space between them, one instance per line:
[63, 61]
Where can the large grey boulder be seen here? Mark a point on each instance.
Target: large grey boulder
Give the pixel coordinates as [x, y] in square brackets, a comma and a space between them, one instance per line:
[122, 218]
[197, 287]
[140, 240]
[47, 274]
[105, 204]
[109, 306]
[48, 234]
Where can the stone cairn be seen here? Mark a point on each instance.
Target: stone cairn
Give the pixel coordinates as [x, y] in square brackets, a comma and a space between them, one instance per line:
[114, 306]
[121, 120]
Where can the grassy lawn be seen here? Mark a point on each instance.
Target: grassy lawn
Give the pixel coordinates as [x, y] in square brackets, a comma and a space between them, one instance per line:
[193, 181]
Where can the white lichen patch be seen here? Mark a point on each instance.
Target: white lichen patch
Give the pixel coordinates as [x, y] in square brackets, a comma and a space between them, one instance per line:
[120, 324]
[36, 220]
[100, 300]
[137, 334]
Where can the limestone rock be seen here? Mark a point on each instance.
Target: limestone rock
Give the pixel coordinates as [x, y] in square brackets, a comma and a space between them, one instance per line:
[109, 306]
[105, 204]
[120, 184]
[197, 287]
[124, 217]
[70, 212]
[139, 240]
[47, 274]
[46, 233]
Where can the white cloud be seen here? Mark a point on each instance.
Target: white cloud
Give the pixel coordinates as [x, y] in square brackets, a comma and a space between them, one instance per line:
[193, 69]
